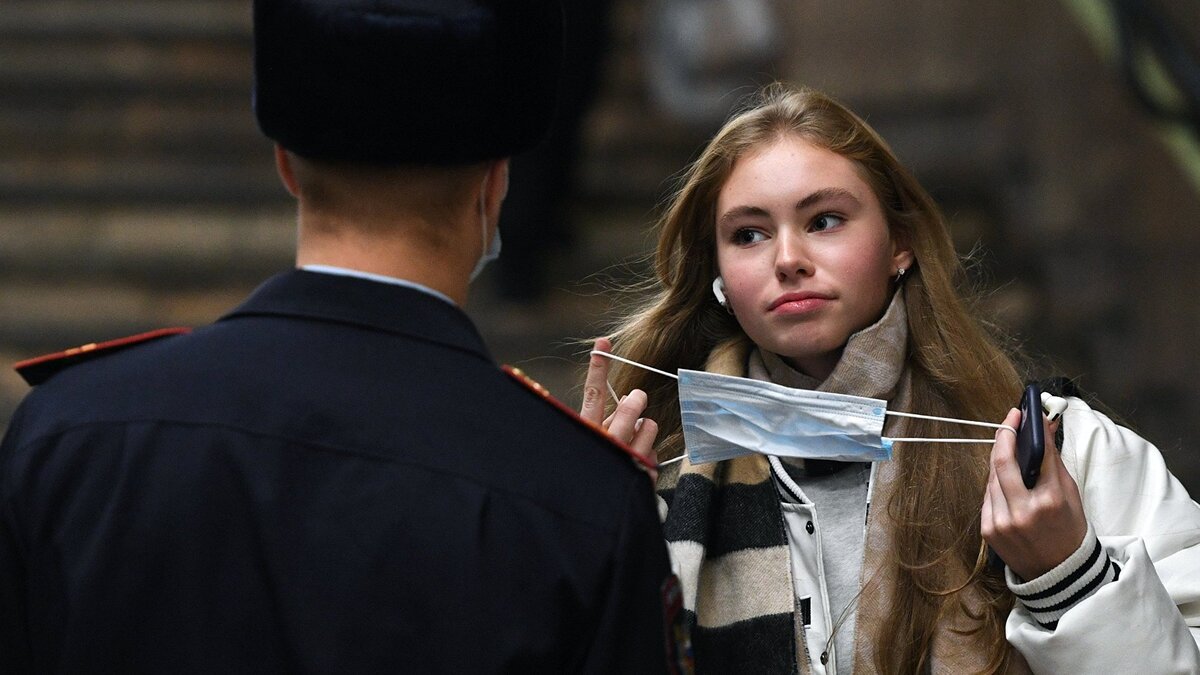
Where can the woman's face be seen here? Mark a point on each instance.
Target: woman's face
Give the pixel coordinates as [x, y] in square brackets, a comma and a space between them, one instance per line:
[805, 252]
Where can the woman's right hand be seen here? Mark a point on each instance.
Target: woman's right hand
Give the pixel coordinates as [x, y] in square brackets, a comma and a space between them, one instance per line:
[626, 423]
[1033, 530]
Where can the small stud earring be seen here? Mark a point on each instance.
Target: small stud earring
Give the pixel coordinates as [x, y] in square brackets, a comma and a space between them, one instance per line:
[900, 272]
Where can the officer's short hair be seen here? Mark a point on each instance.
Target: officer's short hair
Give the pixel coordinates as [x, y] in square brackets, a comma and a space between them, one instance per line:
[402, 82]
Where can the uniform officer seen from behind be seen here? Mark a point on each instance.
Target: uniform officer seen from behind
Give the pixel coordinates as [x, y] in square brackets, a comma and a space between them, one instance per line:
[335, 477]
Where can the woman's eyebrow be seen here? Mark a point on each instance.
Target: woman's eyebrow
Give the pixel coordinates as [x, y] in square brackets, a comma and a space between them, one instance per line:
[827, 194]
[822, 195]
[739, 211]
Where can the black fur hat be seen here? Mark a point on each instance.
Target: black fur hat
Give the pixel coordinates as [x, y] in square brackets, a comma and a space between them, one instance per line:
[406, 81]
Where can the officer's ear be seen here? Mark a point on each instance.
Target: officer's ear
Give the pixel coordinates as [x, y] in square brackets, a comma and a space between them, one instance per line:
[496, 188]
[283, 164]
[504, 191]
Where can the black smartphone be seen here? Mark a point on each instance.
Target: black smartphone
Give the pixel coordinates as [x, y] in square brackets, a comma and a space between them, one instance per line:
[1031, 435]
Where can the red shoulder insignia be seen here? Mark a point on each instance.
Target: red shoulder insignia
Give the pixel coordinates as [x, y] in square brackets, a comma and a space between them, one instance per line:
[38, 370]
[525, 381]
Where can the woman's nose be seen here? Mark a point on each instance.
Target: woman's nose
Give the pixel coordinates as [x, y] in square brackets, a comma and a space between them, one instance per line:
[791, 257]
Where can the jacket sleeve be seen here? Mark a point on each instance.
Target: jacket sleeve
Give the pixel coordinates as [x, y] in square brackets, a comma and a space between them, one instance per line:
[635, 630]
[1148, 620]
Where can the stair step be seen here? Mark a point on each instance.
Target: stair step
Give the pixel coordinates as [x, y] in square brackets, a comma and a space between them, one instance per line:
[162, 248]
[46, 317]
[119, 69]
[210, 129]
[145, 19]
[139, 179]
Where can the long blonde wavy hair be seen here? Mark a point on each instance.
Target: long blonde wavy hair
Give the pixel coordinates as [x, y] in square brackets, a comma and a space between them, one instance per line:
[957, 367]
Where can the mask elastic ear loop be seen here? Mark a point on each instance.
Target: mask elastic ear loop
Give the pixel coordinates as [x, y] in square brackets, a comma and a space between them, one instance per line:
[622, 359]
[614, 357]
[946, 419]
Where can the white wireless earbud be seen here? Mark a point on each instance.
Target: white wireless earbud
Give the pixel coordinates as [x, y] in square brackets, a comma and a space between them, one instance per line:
[1053, 405]
[718, 288]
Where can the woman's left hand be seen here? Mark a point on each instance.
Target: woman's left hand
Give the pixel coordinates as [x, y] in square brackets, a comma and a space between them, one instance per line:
[1033, 530]
[626, 423]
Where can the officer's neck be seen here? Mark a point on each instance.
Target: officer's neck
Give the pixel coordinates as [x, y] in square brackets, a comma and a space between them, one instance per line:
[394, 249]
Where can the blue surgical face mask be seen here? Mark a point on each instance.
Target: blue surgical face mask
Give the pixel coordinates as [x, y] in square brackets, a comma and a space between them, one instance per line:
[724, 417]
[491, 250]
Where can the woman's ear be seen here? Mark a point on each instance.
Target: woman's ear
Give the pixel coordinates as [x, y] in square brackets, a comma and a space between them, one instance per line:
[902, 255]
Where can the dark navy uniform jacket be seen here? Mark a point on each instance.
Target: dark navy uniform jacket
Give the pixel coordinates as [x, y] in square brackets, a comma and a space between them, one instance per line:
[333, 478]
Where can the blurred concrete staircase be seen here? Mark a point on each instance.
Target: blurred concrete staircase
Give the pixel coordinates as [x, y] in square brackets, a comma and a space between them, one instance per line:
[128, 101]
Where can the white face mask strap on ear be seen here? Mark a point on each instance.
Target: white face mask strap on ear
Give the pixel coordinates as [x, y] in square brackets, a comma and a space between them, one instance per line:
[491, 249]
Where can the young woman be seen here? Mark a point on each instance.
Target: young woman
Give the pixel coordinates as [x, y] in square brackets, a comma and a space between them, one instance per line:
[799, 251]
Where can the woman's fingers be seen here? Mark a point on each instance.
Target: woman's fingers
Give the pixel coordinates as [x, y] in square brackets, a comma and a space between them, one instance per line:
[595, 386]
[1052, 465]
[1033, 530]
[1004, 457]
[623, 423]
[995, 515]
[645, 433]
[627, 425]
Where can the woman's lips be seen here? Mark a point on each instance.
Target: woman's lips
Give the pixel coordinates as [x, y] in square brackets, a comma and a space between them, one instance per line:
[798, 303]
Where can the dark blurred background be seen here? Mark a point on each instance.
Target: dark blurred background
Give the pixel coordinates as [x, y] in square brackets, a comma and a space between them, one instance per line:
[1061, 138]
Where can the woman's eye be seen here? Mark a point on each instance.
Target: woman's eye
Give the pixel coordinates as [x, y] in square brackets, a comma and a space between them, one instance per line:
[746, 235]
[826, 221]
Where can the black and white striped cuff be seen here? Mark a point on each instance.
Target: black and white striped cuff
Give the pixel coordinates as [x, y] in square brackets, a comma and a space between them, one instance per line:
[1049, 596]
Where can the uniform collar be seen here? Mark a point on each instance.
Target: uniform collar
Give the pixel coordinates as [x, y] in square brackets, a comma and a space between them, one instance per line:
[383, 279]
[361, 302]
